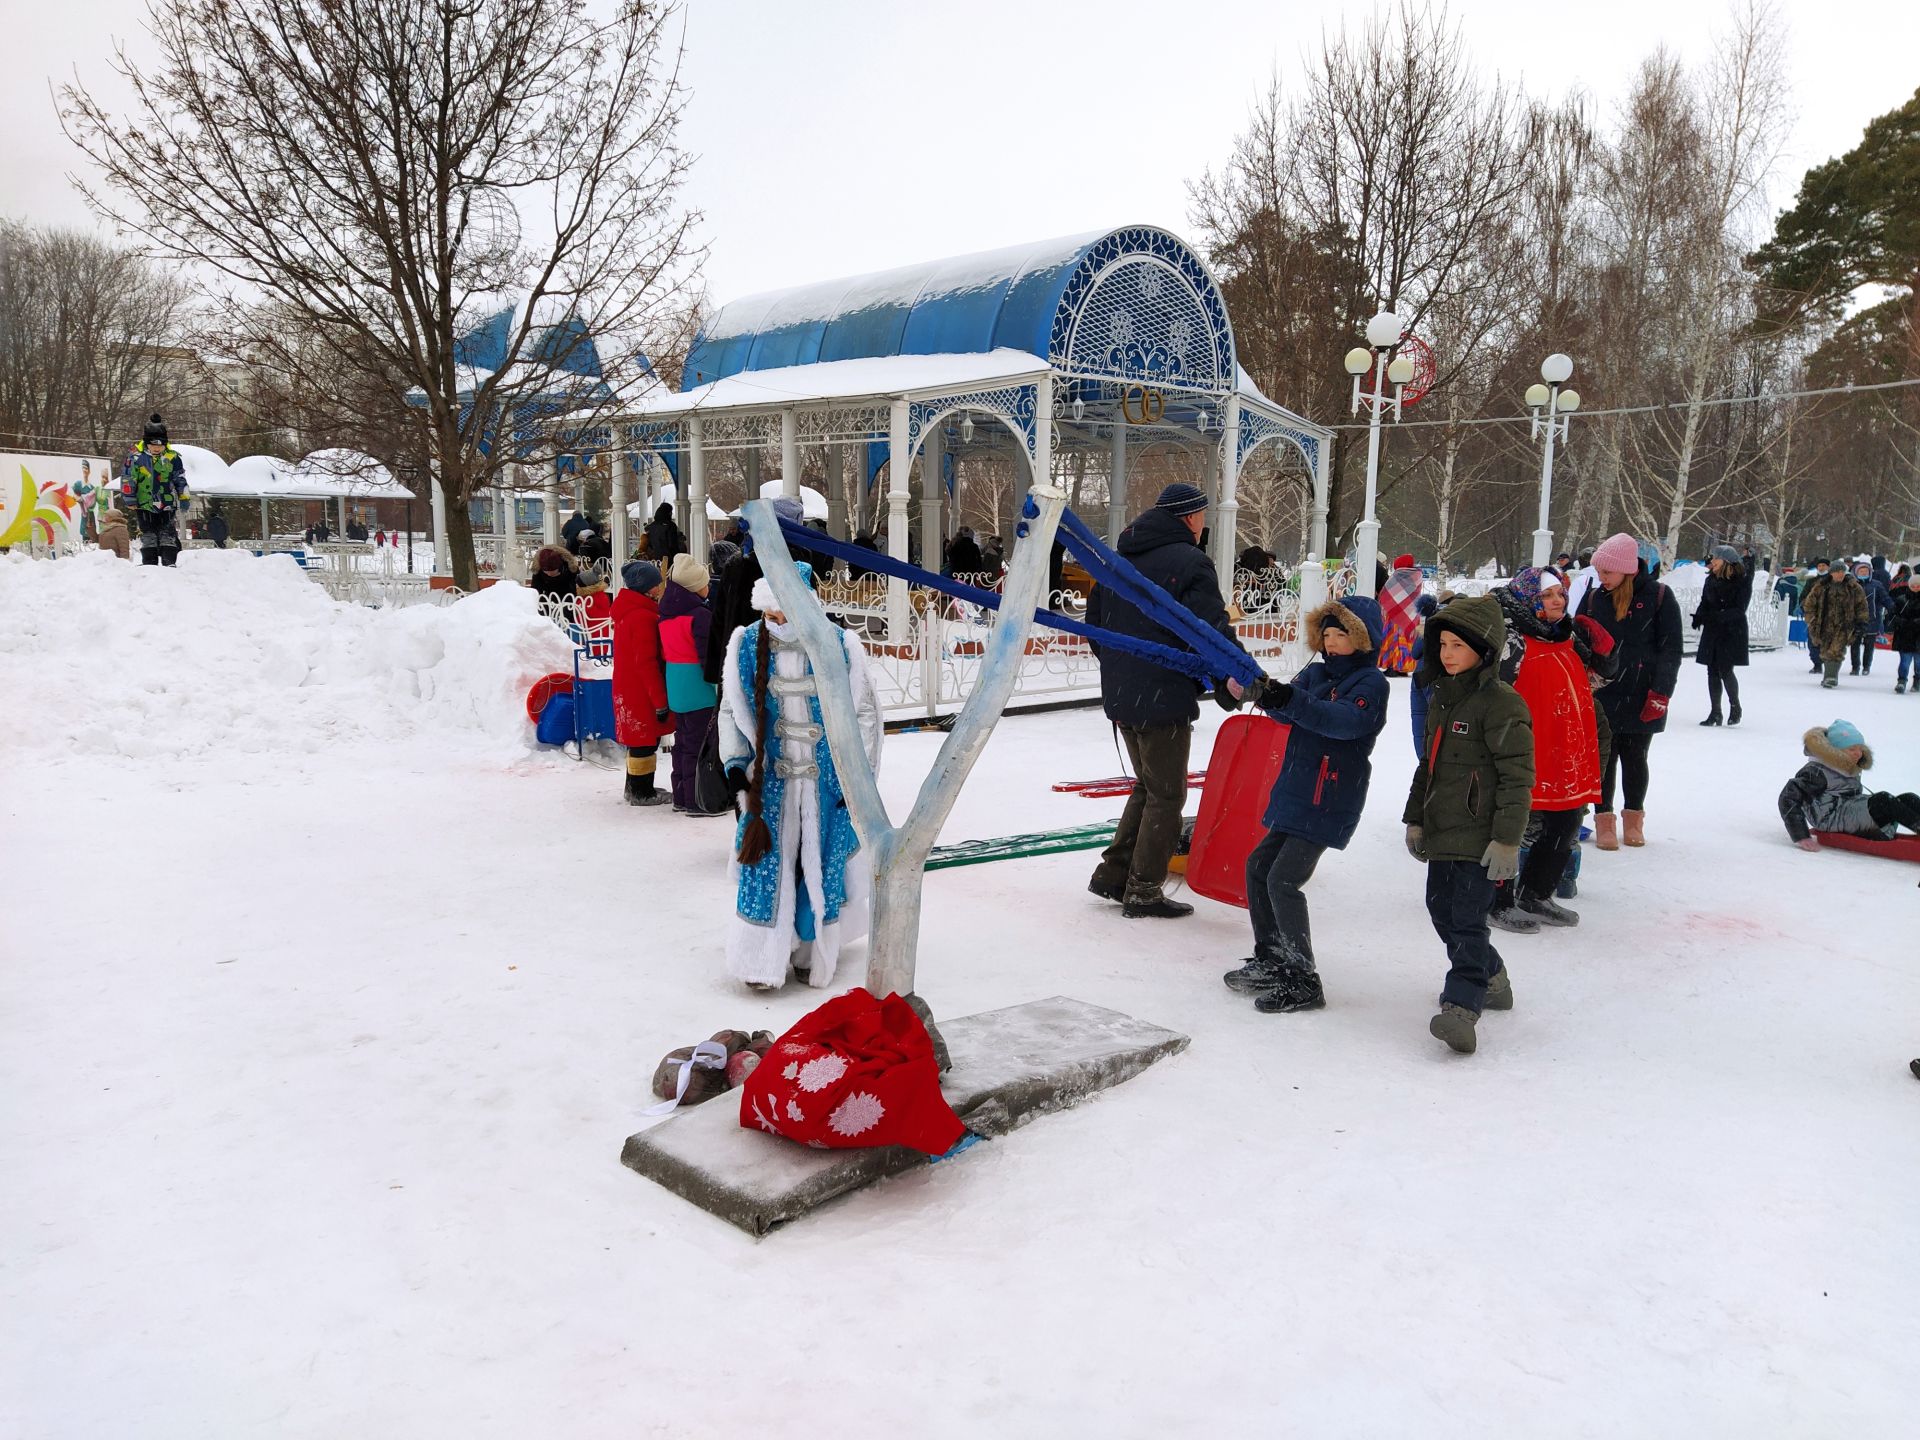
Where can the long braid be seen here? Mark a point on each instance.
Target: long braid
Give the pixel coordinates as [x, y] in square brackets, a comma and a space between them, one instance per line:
[756, 840]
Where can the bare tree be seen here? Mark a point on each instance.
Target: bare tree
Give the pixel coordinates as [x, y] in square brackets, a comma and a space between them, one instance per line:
[420, 183]
[83, 324]
[1388, 184]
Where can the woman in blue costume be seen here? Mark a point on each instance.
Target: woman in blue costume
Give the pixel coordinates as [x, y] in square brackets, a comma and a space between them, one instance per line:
[803, 884]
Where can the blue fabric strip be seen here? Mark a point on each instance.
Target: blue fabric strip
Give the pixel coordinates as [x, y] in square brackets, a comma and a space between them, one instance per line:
[1222, 656]
[1184, 662]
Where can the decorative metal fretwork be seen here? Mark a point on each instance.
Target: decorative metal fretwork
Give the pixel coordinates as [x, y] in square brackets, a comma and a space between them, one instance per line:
[1141, 307]
[1013, 403]
[1257, 429]
[819, 425]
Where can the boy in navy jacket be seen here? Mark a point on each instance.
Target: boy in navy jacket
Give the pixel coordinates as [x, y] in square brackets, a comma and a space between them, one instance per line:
[1337, 707]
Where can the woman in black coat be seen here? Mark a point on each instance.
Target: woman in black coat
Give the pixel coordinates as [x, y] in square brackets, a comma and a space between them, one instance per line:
[1721, 619]
[1644, 620]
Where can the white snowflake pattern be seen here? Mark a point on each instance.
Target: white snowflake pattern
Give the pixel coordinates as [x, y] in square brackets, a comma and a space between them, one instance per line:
[768, 1120]
[856, 1114]
[820, 1073]
[794, 1047]
[791, 1071]
[795, 1113]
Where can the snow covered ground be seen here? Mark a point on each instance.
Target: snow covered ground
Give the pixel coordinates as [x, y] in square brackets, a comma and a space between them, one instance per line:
[326, 1007]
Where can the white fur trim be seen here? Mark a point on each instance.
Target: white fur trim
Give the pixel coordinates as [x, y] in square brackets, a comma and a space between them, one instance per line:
[763, 596]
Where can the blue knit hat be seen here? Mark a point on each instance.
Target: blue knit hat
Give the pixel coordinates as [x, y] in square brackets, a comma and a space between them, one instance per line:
[1843, 733]
[1181, 498]
[640, 575]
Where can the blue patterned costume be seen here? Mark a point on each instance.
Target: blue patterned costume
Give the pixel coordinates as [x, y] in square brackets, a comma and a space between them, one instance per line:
[813, 887]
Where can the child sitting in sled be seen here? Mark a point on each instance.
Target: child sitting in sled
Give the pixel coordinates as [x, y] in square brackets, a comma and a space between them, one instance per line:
[1827, 793]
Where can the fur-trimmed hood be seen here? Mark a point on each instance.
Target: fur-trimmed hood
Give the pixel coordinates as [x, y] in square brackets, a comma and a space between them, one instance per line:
[1358, 615]
[1814, 743]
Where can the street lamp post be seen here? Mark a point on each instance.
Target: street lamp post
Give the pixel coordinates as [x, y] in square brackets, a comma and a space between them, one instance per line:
[1551, 405]
[1383, 333]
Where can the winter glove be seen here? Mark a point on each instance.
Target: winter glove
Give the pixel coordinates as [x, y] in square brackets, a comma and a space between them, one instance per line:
[736, 780]
[1269, 694]
[660, 716]
[1597, 635]
[1502, 861]
[1696, 622]
[1417, 843]
[1224, 697]
[1809, 844]
[1654, 709]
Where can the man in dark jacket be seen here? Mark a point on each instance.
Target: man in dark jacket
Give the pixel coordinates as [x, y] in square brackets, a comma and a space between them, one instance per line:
[1153, 707]
[963, 556]
[664, 537]
[731, 594]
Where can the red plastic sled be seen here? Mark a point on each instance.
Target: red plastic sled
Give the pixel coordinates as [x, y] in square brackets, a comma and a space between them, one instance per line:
[1903, 847]
[1246, 761]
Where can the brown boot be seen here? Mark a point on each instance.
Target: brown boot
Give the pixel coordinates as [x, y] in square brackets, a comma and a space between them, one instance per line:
[1605, 835]
[1633, 827]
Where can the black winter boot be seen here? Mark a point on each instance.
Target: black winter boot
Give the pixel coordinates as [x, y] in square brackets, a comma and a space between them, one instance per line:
[1733, 714]
[1544, 909]
[1713, 719]
[1510, 919]
[1154, 907]
[1297, 990]
[1253, 976]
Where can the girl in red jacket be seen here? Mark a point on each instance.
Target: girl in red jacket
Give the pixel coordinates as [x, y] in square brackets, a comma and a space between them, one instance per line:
[640, 714]
[1554, 663]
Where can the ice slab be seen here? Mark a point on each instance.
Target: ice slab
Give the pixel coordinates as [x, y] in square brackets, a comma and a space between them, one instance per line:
[1008, 1066]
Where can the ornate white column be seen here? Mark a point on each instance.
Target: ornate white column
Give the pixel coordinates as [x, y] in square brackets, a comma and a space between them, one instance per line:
[899, 462]
[789, 456]
[1226, 517]
[624, 465]
[836, 494]
[1117, 482]
[933, 449]
[693, 495]
[550, 502]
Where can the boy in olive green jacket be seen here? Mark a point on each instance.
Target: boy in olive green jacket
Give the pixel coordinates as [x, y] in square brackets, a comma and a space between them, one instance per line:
[1468, 807]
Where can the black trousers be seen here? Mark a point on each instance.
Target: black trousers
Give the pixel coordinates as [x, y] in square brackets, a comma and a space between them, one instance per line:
[1458, 898]
[1629, 755]
[1860, 651]
[1721, 675]
[1276, 870]
[1550, 851]
[159, 540]
[1149, 828]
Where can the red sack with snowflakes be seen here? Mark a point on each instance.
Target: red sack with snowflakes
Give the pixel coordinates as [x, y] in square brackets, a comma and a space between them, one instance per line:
[857, 1072]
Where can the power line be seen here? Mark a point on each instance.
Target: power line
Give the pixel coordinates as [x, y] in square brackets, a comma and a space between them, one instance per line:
[1766, 396]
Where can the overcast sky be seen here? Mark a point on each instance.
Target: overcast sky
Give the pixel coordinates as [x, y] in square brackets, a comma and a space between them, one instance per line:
[838, 136]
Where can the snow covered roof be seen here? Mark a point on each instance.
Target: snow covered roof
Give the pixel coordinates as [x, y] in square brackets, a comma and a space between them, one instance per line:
[994, 300]
[813, 505]
[872, 378]
[206, 471]
[346, 473]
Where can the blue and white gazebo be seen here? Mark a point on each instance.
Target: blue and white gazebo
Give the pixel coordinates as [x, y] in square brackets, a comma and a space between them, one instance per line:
[1092, 346]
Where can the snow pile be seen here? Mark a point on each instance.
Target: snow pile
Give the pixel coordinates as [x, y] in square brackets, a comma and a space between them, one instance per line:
[230, 653]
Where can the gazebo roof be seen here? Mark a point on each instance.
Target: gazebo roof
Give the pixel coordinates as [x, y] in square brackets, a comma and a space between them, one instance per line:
[966, 304]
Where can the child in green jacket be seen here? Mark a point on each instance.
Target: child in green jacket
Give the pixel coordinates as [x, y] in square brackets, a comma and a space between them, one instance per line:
[1468, 807]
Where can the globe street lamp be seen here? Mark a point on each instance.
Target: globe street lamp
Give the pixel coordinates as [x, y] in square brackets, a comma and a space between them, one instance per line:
[1551, 405]
[1383, 333]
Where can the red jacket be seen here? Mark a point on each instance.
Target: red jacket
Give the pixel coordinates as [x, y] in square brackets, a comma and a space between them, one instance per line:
[639, 679]
[1566, 746]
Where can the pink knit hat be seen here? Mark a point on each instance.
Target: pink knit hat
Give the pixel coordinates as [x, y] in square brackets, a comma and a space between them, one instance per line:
[1618, 553]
